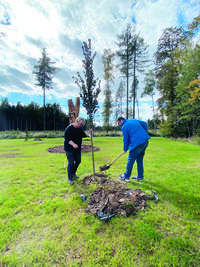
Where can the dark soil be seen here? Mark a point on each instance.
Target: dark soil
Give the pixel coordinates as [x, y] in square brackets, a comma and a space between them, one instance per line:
[104, 167]
[84, 149]
[112, 197]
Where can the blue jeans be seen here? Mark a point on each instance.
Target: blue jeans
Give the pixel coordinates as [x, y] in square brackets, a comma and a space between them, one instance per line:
[74, 159]
[137, 155]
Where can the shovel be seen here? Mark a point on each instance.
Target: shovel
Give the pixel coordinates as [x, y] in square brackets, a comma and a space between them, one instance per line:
[107, 166]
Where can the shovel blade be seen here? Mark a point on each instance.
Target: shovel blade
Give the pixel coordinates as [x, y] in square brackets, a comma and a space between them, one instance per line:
[104, 167]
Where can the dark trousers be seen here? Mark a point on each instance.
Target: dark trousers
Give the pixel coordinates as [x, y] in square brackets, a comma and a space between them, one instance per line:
[74, 159]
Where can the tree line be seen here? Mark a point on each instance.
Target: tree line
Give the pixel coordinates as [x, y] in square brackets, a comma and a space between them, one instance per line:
[30, 117]
[174, 73]
[177, 71]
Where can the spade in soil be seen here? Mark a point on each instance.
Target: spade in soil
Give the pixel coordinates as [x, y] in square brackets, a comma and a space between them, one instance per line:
[107, 166]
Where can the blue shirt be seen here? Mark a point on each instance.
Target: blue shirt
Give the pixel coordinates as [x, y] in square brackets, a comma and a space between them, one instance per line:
[134, 133]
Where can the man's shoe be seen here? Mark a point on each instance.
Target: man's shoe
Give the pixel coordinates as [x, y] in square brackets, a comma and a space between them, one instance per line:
[124, 178]
[75, 176]
[136, 178]
[71, 181]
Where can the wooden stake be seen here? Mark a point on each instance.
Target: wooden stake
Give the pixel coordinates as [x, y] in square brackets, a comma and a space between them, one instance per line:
[92, 155]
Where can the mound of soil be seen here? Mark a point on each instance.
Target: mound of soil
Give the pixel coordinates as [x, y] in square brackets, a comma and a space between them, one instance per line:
[112, 197]
[103, 180]
[84, 149]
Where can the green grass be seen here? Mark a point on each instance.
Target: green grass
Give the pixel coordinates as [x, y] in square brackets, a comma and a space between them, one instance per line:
[43, 222]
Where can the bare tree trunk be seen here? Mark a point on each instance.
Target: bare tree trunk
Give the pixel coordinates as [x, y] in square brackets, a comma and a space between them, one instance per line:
[127, 84]
[134, 85]
[44, 110]
[138, 109]
[153, 113]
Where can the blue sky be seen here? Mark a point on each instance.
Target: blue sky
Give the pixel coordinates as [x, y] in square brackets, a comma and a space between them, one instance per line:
[28, 26]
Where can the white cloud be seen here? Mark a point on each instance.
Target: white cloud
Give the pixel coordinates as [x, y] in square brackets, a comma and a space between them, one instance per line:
[154, 16]
[62, 26]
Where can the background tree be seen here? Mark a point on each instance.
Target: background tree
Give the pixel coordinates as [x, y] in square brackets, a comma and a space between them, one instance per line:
[18, 110]
[167, 76]
[133, 57]
[30, 117]
[194, 26]
[44, 72]
[140, 62]
[134, 97]
[4, 114]
[188, 90]
[119, 97]
[107, 59]
[125, 54]
[89, 86]
[149, 88]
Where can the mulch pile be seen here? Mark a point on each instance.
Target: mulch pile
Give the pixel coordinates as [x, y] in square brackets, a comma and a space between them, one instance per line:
[112, 197]
[84, 149]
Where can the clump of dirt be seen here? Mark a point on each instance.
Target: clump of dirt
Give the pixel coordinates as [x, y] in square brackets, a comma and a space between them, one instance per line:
[84, 149]
[112, 197]
[103, 180]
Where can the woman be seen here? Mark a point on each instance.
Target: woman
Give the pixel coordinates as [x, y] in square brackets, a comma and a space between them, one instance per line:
[72, 146]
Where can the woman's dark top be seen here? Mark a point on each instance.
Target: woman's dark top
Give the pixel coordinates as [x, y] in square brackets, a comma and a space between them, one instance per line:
[75, 135]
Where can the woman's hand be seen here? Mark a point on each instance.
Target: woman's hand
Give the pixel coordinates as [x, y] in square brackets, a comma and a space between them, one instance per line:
[89, 132]
[73, 144]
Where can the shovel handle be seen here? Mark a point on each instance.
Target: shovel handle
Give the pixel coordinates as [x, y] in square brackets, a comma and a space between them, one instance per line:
[117, 158]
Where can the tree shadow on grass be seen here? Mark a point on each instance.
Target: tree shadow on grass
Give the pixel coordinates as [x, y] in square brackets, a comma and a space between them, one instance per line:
[182, 200]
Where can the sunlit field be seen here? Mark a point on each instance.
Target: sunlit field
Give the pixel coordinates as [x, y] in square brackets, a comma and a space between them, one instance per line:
[43, 219]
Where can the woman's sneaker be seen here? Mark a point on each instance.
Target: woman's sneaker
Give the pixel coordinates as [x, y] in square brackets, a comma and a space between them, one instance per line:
[136, 178]
[71, 181]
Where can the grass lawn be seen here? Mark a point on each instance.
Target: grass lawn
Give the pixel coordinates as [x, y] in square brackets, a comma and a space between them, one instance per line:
[43, 220]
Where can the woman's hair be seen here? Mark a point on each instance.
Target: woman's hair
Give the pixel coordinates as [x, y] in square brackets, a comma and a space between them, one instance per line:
[80, 120]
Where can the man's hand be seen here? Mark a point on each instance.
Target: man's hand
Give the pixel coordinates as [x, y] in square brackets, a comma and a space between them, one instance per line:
[124, 152]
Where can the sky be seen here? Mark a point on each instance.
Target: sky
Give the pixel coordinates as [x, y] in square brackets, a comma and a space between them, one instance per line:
[61, 26]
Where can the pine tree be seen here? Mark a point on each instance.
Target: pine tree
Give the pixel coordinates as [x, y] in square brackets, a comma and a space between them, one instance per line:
[44, 72]
[133, 56]
[107, 59]
[140, 62]
[119, 100]
[125, 54]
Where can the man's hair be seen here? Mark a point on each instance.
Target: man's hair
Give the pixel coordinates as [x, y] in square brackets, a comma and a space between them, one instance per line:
[120, 119]
[80, 120]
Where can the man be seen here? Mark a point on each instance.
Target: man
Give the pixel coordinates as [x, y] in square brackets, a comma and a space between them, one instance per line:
[72, 146]
[135, 139]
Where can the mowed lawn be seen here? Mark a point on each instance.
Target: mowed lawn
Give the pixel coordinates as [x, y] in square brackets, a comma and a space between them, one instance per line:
[43, 220]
